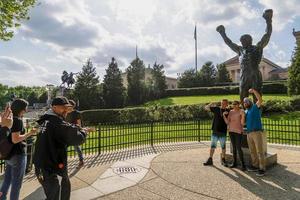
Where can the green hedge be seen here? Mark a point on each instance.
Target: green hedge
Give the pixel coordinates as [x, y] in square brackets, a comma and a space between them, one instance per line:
[172, 113]
[144, 114]
[268, 88]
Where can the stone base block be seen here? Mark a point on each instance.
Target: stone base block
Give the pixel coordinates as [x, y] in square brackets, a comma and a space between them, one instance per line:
[271, 159]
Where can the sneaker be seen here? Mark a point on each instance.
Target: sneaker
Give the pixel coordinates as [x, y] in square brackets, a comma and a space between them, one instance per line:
[233, 165]
[81, 163]
[252, 169]
[208, 162]
[224, 162]
[243, 168]
[260, 173]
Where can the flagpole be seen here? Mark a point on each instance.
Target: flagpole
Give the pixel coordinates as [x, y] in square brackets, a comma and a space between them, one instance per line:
[195, 37]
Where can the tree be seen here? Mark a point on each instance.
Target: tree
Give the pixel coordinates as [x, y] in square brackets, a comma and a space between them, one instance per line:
[294, 74]
[188, 79]
[208, 74]
[222, 74]
[136, 90]
[33, 98]
[113, 89]
[159, 80]
[87, 88]
[11, 14]
[43, 97]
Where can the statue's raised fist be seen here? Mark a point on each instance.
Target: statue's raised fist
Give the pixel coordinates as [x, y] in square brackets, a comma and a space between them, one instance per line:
[220, 29]
[268, 14]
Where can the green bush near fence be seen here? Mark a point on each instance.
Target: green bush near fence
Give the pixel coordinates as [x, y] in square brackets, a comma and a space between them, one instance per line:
[172, 113]
[144, 114]
[268, 88]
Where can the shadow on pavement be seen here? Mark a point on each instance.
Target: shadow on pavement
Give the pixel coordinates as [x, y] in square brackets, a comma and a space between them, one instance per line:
[279, 183]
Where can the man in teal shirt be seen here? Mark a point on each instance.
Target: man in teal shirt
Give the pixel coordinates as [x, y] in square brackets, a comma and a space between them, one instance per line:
[255, 133]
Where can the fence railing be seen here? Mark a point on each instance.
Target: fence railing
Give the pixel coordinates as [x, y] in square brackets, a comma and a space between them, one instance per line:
[117, 136]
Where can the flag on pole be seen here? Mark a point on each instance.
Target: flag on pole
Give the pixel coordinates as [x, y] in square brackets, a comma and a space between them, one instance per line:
[195, 33]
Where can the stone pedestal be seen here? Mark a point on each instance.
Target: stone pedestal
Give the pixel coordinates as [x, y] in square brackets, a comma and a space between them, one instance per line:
[271, 158]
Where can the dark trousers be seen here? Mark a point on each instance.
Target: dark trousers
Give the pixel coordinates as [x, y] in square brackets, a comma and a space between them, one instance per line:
[54, 188]
[236, 141]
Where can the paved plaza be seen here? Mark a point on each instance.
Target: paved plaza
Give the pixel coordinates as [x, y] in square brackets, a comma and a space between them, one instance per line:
[175, 171]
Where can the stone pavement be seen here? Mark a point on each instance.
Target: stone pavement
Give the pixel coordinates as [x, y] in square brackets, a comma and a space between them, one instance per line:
[175, 171]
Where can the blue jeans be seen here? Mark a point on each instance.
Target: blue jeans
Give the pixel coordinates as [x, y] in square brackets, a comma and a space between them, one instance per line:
[214, 141]
[79, 152]
[13, 176]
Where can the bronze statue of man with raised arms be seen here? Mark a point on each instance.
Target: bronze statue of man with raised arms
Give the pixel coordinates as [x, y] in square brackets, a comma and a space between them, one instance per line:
[250, 56]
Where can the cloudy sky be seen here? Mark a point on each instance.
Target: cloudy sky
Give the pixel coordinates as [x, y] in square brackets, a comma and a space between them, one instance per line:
[63, 34]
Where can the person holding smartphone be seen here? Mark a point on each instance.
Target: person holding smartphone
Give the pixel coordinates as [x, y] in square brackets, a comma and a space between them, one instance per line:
[16, 162]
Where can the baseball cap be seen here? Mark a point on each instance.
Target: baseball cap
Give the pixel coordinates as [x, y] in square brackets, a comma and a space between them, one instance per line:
[61, 101]
[247, 100]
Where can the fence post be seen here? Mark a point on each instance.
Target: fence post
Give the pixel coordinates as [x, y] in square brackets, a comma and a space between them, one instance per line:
[99, 139]
[198, 122]
[152, 124]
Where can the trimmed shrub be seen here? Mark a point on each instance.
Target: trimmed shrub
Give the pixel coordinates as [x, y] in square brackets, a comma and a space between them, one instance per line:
[272, 106]
[172, 113]
[268, 88]
[295, 102]
[202, 91]
[144, 114]
[274, 88]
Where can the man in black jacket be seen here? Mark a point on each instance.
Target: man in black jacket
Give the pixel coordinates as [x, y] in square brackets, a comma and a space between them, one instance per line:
[50, 158]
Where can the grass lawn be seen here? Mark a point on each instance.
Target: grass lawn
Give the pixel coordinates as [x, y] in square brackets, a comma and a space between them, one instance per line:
[188, 100]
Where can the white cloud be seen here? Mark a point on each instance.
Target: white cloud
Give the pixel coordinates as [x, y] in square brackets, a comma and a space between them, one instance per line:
[285, 12]
[14, 65]
[19, 72]
[74, 30]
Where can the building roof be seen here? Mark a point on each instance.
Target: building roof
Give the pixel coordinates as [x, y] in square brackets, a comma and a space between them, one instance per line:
[296, 33]
[235, 60]
[278, 70]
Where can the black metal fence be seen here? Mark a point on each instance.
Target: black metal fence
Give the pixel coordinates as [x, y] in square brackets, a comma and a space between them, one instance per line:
[117, 136]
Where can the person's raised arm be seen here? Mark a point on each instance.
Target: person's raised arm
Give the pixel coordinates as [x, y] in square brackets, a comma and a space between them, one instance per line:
[226, 120]
[233, 46]
[257, 95]
[266, 37]
[207, 107]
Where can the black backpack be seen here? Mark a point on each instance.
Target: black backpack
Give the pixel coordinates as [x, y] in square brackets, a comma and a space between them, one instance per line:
[5, 143]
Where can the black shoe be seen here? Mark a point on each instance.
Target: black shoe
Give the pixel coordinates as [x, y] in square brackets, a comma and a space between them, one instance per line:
[233, 165]
[208, 162]
[243, 168]
[252, 169]
[224, 162]
[260, 173]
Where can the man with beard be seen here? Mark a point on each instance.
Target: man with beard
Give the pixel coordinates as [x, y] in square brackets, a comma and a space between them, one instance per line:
[50, 158]
[255, 133]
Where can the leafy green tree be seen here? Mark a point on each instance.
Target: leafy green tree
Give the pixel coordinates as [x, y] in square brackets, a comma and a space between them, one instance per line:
[159, 80]
[208, 74]
[294, 74]
[188, 79]
[3, 95]
[222, 74]
[11, 14]
[87, 88]
[113, 89]
[136, 90]
[43, 97]
[33, 98]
